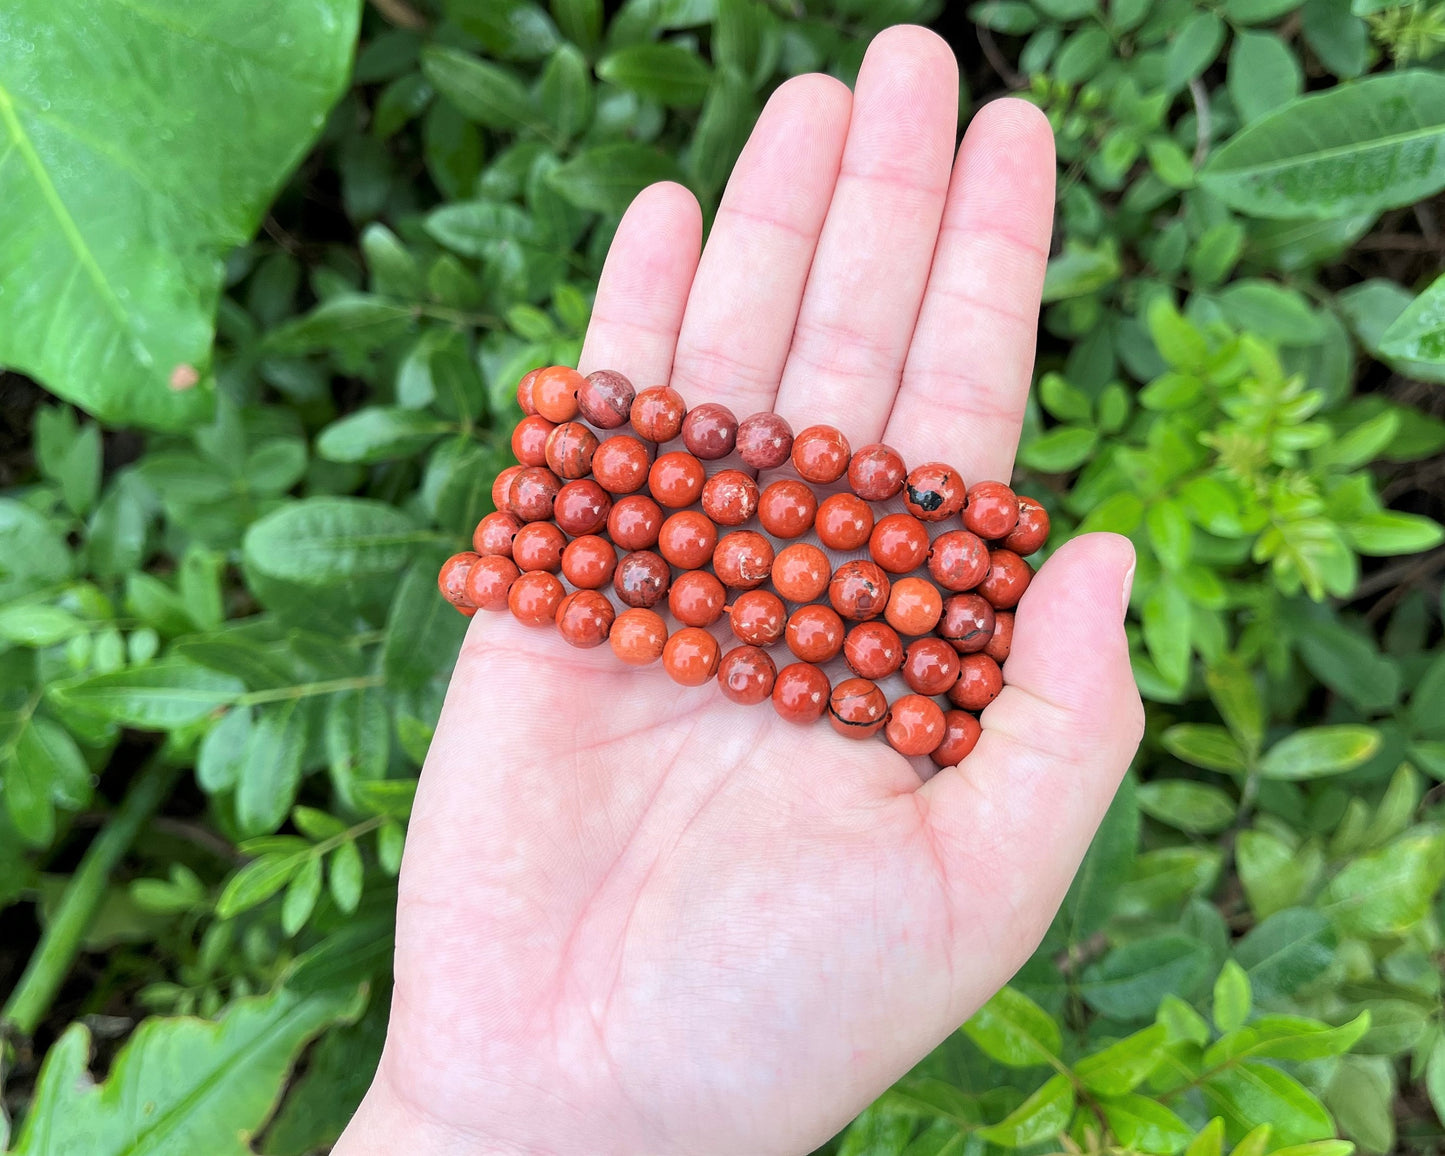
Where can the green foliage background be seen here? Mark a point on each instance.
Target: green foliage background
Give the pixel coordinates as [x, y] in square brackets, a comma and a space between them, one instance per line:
[221, 656]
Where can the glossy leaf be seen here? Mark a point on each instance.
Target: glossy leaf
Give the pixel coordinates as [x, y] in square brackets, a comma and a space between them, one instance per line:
[1318, 751]
[1418, 334]
[1250, 1092]
[1145, 1125]
[161, 696]
[321, 541]
[1124, 1065]
[1129, 982]
[1015, 1031]
[1041, 1117]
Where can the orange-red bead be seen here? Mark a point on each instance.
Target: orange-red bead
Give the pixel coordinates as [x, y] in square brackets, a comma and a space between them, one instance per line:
[730, 497]
[620, 465]
[452, 579]
[899, 543]
[844, 522]
[696, 598]
[657, 414]
[876, 473]
[554, 392]
[801, 572]
[857, 708]
[961, 732]
[489, 580]
[569, 450]
[709, 431]
[992, 510]
[979, 682]
[967, 622]
[691, 656]
[634, 523]
[1032, 530]
[758, 617]
[764, 441]
[934, 491]
[800, 693]
[605, 399]
[914, 606]
[534, 598]
[538, 546]
[584, 618]
[1007, 578]
[588, 562]
[641, 579]
[582, 507]
[814, 633]
[859, 590]
[676, 480]
[915, 726]
[930, 666]
[743, 559]
[1000, 642]
[787, 508]
[532, 494]
[529, 440]
[494, 534]
[524, 392]
[873, 650]
[688, 540]
[958, 560]
[821, 454]
[638, 636]
[746, 675]
[502, 488]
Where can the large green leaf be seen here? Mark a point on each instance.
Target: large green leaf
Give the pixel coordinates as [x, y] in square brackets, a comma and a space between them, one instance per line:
[165, 694]
[1129, 982]
[1285, 952]
[328, 540]
[141, 143]
[1418, 334]
[1014, 1030]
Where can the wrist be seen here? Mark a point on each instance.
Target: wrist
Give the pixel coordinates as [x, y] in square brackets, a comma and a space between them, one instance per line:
[386, 1124]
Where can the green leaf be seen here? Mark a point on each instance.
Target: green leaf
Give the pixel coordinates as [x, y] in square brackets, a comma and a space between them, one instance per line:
[1041, 1117]
[604, 179]
[1250, 1092]
[1371, 307]
[161, 696]
[1094, 890]
[270, 771]
[1204, 745]
[1274, 874]
[1167, 618]
[377, 433]
[1257, 11]
[1128, 983]
[565, 92]
[723, 125]
[1011, 17]
[1281, 315]
[1390, 890]
[1170, 533]
[40, 766]
[1082, 54]
[1236, 696]
[257, 881]
[515, 29]
[423, 631]
[1349, 664]
[1362, 1095]
[1123, 1066]
[358, 739]
[483, 92]
[1263, 74]
[1216, 254]
[1435, 1077]
[1286, 1037]
[1197, 808]
[664, 72]
[1356, 148]
[1145, 1125]
[1060, 450]
[1232, 997]
[1418, 334]
[345, 877]
[1318, 751]
[324, 541]
[33, 554]
[348, 321]
[1080, 270]
[1014, 1030]
[1210, 1141]
[1338, 37]
[1390, 532]
[1192, 49]
[36, 624]
[1285, 952]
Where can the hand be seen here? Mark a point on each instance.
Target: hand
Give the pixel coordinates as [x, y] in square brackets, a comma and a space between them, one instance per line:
[637, 919]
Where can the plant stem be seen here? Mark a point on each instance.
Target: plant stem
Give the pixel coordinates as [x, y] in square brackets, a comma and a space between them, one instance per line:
[60, 942]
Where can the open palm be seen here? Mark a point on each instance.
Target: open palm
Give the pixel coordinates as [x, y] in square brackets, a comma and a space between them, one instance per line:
[638, 919]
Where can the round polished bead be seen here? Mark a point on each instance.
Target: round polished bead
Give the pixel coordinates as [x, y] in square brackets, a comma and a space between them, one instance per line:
[979, 682]
[873, 650]
[899, 543]
[814, 633]
[857, 708]
[538, 546]
[638, 636]
[634, 522]
[859, 590]
[787, 508]
[967, 622]
[876, 473]
[502, 488]
[588, 562]
[958, 560]
[930, 666]
[934, 491]
[452, 578]
[764, 440]
[532, 494]
[696, 598]
[914, 606]
[821, 454]
[1001, 641]
[915, 726]
[494, 534]
[801, 572]
[800, 693]
[1032, 530]
[992, 511]
[758, 617]
[554, 392]
[844, 522]
[730, 497]
[676, 480]
[657, 414]
[489, 580]
[710, 431]
[529, 440]
[746, 675]
[584, 619]
[641, 579]
[961, 732]
[743, 559]
[524, 392]
[533, 598]
[582, 507]
[690, 656]
[620, 465]
[569, 450]
[688, 540]
[1007, 578]
[605, 399]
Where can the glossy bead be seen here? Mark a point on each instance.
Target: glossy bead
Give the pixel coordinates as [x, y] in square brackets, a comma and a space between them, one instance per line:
[524, 392]
[859, 590]
[690, 656]
[814, 633]
[620, 465]
[688, 540]
[979, 682]
[533, 598]
[489, 580]
[538, 546]
[787, 508]
[967, 622]
[764, 440]
[992, 510]
[638, 636]
[844, 522]
[710, 431]
[1032, 530]
[584, 618]
[696, 598]
[569, 450]
[961, 732]
[529, 440]
[758, 617]
[801, 572]
[873, 650]
[605, 399]
[930, 666]
[876, 473]
[641, 579]
[634, 523]
[857, 708]
[800, 693]
[746, 675]
[1001, 641]
[554, 392]
[958, 560]
[729, 497]
[532, 494]
[502, 488]
[934, 491]
[914, 606]
[821, 454]
[588, 562]
[657, 414]
[1007, 578]
[676, 479]
[743, 559]
[452, 579]
[899, 543]
[582, 507]
[494, 534]
[915, 726]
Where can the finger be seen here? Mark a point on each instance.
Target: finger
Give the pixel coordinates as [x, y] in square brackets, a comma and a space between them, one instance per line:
[868, 275]
[745, 297]
[644, 286]
[1012, 821]
[967, 374]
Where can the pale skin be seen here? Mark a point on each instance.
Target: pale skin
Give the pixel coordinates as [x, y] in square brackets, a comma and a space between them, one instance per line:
[638, 920]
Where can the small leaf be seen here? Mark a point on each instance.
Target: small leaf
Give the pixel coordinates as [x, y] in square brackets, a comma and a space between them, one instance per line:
[1145, 1125]
[1129, 982]
[1274, 312]
[1204, 745]
[1318, 751]
[345, 877]
[165, 695]
[270, 771]
[1123, 1066]
[1060, 450]
[605, 178]
[323, 541]
[664, 72]
[1041, 1117]
[377, 433]
[1197, 808]
[219, 759]
[256, 882]
[1249, 1091]
[1389, 891]
[1418, 334]
[483, 92]
[1285, 952]
[1015, 1031]
[1232, 997]
[1193, 49]
[1263, 74]
[1390, 532]
[301, 895]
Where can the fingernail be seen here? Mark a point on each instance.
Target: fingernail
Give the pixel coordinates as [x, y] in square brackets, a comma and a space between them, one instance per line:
[1128, 586]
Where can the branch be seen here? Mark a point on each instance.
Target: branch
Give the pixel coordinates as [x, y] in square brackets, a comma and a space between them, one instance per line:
[1203, 125]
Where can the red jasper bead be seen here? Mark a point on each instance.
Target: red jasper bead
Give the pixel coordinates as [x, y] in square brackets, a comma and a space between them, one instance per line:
[529, 440]
[729, 497]
[532, 494]
[452, 580]
[638, 636]
[876, 473]
[859, 590]
[873, 650]
[787, 509]
[494, 534]
[1007, 578]
[992, 510]
[688, 540]
[967, 622]
[534, 598]
[489, 580]
[538, 546]
[801, 572]
[605, 399]
[588, 562]
[934, 491]
[524, 392]
[930, 666]
[1001, 641]
[584, 618]
[764, 441]
[582, 507]
[746, 675]
[915, 726]
[800, 693]
[696, 598]
[857, 708]
[569, 450]
[690, 656]
[710, 431]
[676, 479]
[844, 522]
[1032, 530]
[502, 488]
[554, 392]
[641, 579]
[743, 559]
[979, 682]
[821, 454]
[961, 732]
[657, 414]
[899, 543]
[620, 465]
[814, 633]
[914, 606]
[758, 617]
[634, 522]
[958, 560]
